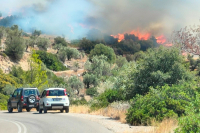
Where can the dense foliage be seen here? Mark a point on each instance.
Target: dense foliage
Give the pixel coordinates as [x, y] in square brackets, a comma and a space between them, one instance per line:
[160, 103]
[109, 96]
[60, 40]
[101, 49]
[190, 123]
[51, 61]
[159, 67]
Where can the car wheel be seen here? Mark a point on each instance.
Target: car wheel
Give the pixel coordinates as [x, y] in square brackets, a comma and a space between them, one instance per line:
[45, 109]
[28, 109]
[37, 108]
[10, 110]
[31, 99]
[67, 110]
[61, 111]
[19, 108]
[40, 110]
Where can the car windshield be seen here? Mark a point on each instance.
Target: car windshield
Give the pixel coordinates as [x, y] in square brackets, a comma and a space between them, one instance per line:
[56, 93]
[30, 92]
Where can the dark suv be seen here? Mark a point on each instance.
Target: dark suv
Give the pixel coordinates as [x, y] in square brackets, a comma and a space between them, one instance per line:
[27, 98]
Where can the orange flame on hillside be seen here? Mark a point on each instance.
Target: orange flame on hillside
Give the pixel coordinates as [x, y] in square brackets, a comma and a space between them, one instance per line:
[142, 36]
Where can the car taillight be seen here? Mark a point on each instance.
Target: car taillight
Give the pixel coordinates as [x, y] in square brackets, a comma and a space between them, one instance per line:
[65, 92]
[38, 98]
[22, 99]
[47, 94]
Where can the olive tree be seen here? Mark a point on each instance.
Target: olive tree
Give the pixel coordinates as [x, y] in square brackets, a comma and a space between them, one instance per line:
[69, 53]
[98, 66]
[75, 83]
[120, 61]
[90, 79]
[43, 43]
[15, 48]
[101, 49]
[159, 67]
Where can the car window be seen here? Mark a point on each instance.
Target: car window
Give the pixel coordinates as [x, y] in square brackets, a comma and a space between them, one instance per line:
[38, 93]
[56, 93]
[19, 92]
[43, 93]
[15, 93]
[30, 92]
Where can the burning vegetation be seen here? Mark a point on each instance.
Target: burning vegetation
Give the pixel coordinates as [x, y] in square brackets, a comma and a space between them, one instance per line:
[141, 36]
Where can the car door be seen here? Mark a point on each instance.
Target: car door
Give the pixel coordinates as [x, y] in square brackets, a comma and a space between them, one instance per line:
[18, 97]
[42, 98]
[13, 99]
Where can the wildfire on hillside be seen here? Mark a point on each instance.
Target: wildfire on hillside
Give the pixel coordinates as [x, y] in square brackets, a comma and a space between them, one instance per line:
[144, 36]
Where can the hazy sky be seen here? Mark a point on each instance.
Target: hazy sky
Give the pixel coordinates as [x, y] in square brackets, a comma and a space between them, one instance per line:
[75, 18]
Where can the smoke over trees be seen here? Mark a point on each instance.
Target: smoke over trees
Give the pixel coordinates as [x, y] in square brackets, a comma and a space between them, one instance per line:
[111, 17]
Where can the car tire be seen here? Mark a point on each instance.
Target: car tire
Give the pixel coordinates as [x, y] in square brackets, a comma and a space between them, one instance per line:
[67, 110]
[10, 110]
[45, 109]
[37, 108]
[31, 99]
[19, 108]
[28, 109]
[61, 111]
[40, 110]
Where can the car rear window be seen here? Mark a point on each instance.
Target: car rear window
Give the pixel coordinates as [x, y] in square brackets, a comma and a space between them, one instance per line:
[56, 93]
[30, 92]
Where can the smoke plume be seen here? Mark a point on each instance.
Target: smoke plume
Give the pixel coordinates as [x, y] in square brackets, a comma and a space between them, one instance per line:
[75, 18]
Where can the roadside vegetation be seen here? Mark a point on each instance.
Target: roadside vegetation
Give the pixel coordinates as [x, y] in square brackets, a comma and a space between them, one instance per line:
[135, 81]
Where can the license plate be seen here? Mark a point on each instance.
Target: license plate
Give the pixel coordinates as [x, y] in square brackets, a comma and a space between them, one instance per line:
[57, 107]
[31, 105]
[57, 99]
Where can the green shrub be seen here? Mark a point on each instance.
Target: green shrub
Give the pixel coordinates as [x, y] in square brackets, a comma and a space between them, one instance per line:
[82, 101]
[159, 67]
[53, 80]
[60, 40]
[101, 49]
[17, 72]
[91, 91]
[109, 96]
[15, 48]
[3, 54]
[43, 43]
[160, 103]
[190, 123]
[3, 101]
[51, 61]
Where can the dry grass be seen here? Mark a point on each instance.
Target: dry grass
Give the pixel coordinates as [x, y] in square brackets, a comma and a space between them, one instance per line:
[113, 113]
[166, 126]
[83, 109]
[110, 112]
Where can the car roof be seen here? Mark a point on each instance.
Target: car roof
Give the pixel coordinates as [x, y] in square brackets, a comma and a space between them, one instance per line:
[27, 88]
[55, 89]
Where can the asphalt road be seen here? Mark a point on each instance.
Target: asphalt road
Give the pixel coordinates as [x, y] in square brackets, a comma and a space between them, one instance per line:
[52, 122]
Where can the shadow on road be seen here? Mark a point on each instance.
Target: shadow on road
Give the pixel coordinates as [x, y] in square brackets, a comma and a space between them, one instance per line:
[12, 112]
[36, 113]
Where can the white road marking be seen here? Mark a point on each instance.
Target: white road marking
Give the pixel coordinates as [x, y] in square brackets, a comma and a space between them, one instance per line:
[18, 124]
[24, 127]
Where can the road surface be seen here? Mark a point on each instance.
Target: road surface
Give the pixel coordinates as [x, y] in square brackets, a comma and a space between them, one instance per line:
[52, 122]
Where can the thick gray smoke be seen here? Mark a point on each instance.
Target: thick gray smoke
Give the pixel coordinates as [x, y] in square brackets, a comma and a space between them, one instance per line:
[75, 18]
